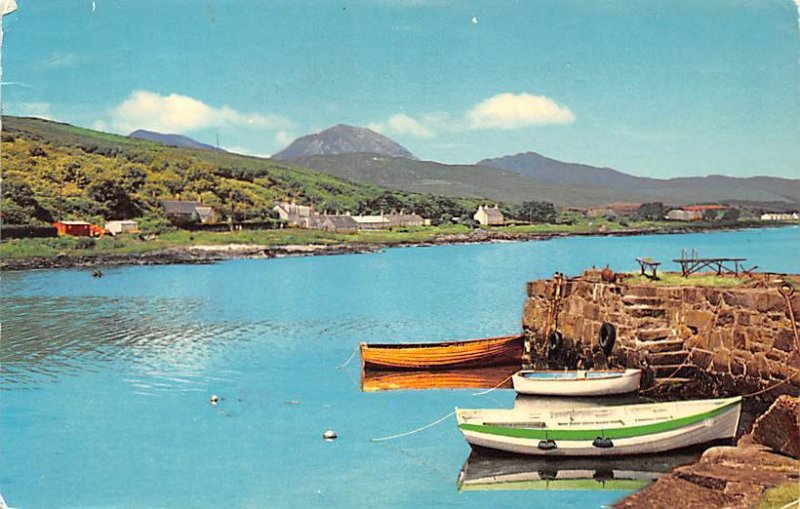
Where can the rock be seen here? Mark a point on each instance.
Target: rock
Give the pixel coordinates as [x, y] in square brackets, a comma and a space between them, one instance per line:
[733, 477]
[779, 427]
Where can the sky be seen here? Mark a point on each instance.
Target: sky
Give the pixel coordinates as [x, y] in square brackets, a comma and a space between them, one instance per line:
[653, 88]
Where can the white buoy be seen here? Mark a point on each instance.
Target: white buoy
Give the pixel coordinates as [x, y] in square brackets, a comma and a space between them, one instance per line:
[330, 435]
[214, 399]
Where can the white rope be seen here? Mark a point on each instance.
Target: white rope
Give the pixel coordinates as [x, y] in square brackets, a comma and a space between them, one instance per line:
[341, 366]
[790, 504]
[493, 388]
[434, 423]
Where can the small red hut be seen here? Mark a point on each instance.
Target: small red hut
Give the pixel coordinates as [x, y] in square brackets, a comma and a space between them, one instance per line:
[74, 228]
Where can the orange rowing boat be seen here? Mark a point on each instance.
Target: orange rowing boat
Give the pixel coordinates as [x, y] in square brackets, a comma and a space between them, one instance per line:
[503, 350]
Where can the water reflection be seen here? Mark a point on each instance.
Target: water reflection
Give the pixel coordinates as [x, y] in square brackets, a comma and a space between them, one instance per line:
[489, 470]
[471, 378]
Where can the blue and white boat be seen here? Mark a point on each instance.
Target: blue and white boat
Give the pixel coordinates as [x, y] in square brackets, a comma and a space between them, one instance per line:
[577, 382]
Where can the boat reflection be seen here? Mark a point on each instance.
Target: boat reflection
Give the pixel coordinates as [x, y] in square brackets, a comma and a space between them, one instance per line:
[490, 470]
[469, 378]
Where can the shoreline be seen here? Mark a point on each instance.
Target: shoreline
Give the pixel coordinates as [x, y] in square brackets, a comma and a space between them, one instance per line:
[207, 254]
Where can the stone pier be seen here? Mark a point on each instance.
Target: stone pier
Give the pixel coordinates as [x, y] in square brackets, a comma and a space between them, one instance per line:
[718, 339]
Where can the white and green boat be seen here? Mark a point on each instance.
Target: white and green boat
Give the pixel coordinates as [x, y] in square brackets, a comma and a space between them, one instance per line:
[604, 430]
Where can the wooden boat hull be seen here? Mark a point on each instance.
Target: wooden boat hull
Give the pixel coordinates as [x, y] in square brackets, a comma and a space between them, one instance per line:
[627, 429]
[504, 350]
[583, 383]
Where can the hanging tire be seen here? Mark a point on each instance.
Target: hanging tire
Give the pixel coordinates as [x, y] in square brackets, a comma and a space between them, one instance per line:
[554, 340]
[608, 335]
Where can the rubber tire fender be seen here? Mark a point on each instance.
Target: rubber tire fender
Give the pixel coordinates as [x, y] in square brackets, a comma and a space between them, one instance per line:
[554, 340]
[608, 335]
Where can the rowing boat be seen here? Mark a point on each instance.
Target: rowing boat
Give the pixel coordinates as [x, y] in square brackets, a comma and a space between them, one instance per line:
[602, 430]
[577, 383]
[499, 351]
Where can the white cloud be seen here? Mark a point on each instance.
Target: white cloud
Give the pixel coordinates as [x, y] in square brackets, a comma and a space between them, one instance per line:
[401, 123]
[509, 111]
[284, 137]
[175, 113]
[60, 59]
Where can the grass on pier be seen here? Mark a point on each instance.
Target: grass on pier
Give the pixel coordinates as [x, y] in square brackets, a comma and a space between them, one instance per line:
[675, 279]
[785, 495]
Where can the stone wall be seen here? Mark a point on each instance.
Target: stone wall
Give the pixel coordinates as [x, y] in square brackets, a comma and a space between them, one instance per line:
[733, 340]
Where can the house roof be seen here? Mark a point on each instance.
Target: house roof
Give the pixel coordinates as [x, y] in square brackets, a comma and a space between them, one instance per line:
[75, 223]
[493, 213]
[703, 207]
[340, 221]
[121, 221]
[180, 207]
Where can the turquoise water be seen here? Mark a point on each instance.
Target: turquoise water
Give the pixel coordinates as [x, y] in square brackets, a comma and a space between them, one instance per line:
[106, 382]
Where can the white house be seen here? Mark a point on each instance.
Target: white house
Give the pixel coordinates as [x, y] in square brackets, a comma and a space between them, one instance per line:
[126, 226]
[490, 216]
[302, 216]
[780, 217]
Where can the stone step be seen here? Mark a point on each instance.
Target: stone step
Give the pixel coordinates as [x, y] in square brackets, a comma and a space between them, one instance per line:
[668, 358]
[674, 370]
[641, 311]
[667, 345]
[654, 334]
[641, 291]
[633, 300]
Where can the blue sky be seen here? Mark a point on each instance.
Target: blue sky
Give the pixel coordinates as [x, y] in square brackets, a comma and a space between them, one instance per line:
[654, 88]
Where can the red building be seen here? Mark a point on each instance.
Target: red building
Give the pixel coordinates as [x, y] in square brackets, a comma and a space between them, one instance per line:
[74, 228]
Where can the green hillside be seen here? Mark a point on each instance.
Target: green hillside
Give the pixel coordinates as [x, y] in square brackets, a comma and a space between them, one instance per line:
[459, 180]
[53, 171]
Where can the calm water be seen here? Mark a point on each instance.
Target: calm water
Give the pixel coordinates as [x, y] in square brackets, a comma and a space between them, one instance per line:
[105, 382]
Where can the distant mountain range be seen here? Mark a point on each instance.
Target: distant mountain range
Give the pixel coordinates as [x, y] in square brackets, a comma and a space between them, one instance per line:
[343, 139]
[173, 140]
[362, 155]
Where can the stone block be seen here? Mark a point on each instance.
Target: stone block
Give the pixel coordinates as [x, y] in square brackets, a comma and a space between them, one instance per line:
[742, 318]
[784, 340]
[699, 320]
[739, 339]
[700, 358]
[740, 298]
[779, 427]
[712, 296]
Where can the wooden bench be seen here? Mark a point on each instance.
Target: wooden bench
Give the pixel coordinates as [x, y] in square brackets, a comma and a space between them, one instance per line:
[646, 264]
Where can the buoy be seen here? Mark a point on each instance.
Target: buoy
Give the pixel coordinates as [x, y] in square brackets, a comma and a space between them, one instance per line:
[330, 435]
[214, 399]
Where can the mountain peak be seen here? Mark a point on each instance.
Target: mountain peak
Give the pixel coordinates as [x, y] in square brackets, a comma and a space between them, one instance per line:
[343, 139]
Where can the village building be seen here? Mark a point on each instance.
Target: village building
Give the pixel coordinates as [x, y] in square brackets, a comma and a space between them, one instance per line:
[404, 220]
[338, 224]
[189, 211]
[74, 228]
[489, 216]
[780, 217]
[372, 222]
[600, 212]
[124, 226]
[684, 215]
[624, 209]
[300, 216]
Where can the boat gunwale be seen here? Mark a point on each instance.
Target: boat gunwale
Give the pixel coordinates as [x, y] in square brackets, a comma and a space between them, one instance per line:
[441, 344]
[617, 374]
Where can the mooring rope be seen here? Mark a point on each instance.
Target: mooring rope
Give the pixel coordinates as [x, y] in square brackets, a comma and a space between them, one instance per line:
[495, 387]
[767, 389]
[434, 423]
[342, 366]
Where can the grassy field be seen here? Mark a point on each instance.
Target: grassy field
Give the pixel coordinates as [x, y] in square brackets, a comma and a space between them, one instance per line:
[132, 244]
